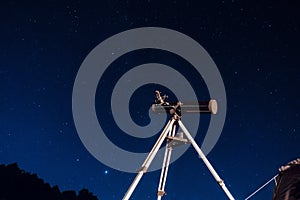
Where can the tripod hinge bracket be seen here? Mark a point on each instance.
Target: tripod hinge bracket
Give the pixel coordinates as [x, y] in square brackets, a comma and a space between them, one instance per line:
[221, 183]
[161, 193]
[143, 169]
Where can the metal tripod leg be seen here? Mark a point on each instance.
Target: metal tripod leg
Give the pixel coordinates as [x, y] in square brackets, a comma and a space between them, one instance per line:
[149, 158]
[164, 170]
[206, 162]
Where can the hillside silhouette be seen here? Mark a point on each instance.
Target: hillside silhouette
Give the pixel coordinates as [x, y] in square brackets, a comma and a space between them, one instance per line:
[16, 184]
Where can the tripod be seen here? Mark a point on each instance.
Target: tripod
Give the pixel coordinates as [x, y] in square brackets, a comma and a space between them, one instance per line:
[173, 140]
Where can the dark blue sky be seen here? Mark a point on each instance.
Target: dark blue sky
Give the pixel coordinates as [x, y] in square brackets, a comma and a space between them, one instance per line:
[254, 44]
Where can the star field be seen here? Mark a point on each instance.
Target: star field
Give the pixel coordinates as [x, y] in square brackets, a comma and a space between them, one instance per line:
[254, 44]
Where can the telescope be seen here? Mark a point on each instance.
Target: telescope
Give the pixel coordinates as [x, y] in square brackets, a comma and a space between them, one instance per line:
[161, 106]
[172, 139]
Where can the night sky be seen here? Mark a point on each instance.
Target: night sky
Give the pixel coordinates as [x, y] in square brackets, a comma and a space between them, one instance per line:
[255, 45]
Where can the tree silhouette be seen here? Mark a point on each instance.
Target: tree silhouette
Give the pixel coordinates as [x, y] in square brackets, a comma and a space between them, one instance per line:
[16, 184]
